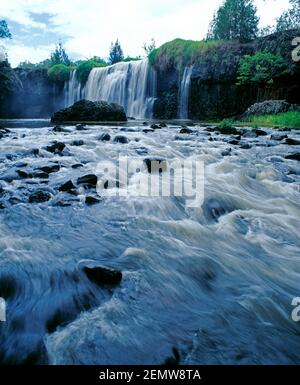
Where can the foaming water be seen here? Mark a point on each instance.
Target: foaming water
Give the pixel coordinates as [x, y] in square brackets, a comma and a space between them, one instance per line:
[214, 282]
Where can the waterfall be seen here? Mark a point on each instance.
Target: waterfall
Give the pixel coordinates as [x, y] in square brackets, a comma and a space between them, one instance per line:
[130, 84]
[184, 91]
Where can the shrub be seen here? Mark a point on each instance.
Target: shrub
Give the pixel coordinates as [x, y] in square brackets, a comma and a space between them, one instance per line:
[287, 119]
[263, 68]
[84, 68]
[59, 73]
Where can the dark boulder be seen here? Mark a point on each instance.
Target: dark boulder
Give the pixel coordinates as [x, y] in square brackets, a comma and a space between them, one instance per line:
[50, 169]
[186, 130]
[105, 137]
[279, 137]
[156, 165]
[292, 142]
[89, 200]
[87, 111]
[39, 197]
[121, 139]
[103, 276]
[259, 132]
[88, 180]
[295, 156]
[67, 187]
[270, 107]
[78, 142]
[56, 148]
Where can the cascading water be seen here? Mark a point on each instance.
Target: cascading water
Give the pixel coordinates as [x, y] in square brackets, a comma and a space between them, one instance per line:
[184, 93]
[130, 84]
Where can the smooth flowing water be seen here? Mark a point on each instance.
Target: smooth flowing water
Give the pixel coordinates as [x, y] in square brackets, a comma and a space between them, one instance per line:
[184, 92]
[130, 84]
[215, 282]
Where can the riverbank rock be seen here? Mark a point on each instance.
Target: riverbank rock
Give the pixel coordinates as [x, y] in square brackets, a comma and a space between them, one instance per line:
[39, 197]
[270, 107]
[87, 111]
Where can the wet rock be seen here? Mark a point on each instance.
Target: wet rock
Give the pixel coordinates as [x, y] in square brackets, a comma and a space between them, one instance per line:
[292, 142]
[259, 132]
[55, 148]
[147, 130]
[1, 135]
[2, 206]
[39, 197]
[50, 169]
[173, 360]
[88, 180]
[78, 143]
[145, 123]
[77, 165]
[80, 127]
[155, 126]
[163, 125]
[295, 156]
[90, 200]
[23, 174]
[59, 129]
[67, 187]
[156, 164]
[105, 137]
[279, 137]
[121, 139]
[226, 152]
[234, 142]
[88, 111]
[35, 151]
[186, 130]
[246, 146]
[103, 276]
[40, 175]
[214, 209]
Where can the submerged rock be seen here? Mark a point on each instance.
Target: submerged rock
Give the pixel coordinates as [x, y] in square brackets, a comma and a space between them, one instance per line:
[78, 142]
[50, 169]
[279, 137]
[259, 132]
[186, 130]
[39, 197]
[103, 276]
[80, 127]
[88, 111]
[90, 180]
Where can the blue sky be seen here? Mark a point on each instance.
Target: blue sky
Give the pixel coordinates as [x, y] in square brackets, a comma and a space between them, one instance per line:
[87, 27]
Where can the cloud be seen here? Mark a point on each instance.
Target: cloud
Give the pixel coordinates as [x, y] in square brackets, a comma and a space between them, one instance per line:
[88, 28]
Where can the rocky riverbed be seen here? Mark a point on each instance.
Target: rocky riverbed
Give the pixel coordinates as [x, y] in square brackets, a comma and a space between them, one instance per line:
[90, 278]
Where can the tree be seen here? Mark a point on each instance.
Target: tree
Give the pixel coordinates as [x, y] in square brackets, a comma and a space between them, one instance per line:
[4, 30]
[235, 20]
[290, 19]
[59, 56]
[116, 53]
[148, 48]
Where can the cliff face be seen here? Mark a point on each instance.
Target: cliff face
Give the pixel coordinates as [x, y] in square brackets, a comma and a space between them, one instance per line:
[213, 91]
[31, 95]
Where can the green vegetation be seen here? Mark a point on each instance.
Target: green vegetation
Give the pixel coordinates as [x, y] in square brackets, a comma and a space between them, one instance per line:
[235, 20]
[181, 52]
[226, 124]
[59, 56]
[84, 68]
[59, 73]
[261, 68]
[288, 119]
[129, 58]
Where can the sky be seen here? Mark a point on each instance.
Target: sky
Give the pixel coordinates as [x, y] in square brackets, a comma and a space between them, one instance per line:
[87, 27]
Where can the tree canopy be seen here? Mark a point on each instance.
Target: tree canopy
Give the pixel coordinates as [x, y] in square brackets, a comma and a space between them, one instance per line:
[116, 53]
[290, 19]
[59, 56]
[4, 30]
[235, 20]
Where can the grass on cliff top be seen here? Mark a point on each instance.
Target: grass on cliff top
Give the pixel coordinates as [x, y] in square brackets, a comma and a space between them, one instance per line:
[181, 52]
[287, 119]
